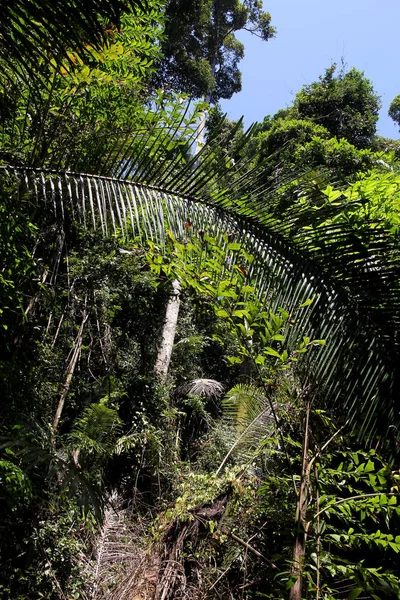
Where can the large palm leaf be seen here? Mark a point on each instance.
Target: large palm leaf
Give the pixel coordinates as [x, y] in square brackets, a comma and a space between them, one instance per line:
[351, 275]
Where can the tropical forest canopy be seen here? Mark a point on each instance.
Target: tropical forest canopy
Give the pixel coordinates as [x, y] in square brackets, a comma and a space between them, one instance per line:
[199, 357]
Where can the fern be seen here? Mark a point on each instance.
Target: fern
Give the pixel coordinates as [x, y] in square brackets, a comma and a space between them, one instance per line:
[97, 431]
[248, 419]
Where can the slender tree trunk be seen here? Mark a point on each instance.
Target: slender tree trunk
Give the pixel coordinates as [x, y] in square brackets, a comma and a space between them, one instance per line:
[70, 370]
[169, 330]
[201, 129]
[299, 548]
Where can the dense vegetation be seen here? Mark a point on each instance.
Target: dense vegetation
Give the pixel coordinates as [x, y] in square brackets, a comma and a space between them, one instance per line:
[200, 363]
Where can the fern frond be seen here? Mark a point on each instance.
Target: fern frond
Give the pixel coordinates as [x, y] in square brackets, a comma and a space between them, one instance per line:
[96, 431]
[249, 419]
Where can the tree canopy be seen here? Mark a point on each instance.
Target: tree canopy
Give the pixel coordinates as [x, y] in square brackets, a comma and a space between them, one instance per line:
[200, 51]
[345, 104]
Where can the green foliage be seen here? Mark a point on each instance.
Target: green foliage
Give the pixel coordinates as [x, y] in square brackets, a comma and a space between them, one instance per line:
[30, 31]
[96, 431]
[328, 134]
[17, 276]
[375, 197]
[84, 105]
[113, 409]
[287, 134]
[52, 568]
[394, 110]
[227, 285]
[362, 520]
[339, 156]
[346, 105]
[371, 200]
[352, 517]
[194, 490]
[16, 487]
[200, 50]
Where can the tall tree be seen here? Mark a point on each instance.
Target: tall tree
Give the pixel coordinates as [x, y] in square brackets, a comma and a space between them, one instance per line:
[328, 134]
[345, 104]
[394, 110]
[200, 51]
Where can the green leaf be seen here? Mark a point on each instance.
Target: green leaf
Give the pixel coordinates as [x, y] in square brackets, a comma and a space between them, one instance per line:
[278, 337]
[234, 246]
[271, 352]
[241, 314]
[370, 466]
[234, 360]
[307, 303]
[354, 593]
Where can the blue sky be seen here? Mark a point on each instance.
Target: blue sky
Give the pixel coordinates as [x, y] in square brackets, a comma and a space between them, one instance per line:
[311, 35]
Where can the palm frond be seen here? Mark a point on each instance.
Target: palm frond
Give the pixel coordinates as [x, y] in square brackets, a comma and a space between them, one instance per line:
[37, 31]
[204, 387]
[351, 275]
[244, 404]
[117, 548]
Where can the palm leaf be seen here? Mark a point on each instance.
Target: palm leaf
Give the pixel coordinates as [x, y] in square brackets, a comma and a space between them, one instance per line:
[33, 31]
[248, 419]
[204, 387]
[352, 276]
[117, 546]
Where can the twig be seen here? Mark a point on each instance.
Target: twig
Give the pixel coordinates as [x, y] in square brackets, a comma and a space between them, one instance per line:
[249, 547]
[320, 451]
[222, 575]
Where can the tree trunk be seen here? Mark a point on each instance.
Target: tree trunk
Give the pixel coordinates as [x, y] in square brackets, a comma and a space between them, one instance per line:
[169, 329]
[299, 548]
[70, 371]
